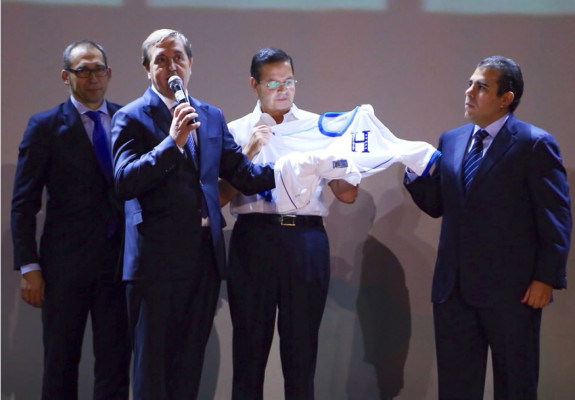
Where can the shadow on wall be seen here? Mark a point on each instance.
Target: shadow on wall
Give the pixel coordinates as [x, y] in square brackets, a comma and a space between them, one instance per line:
[366, 326]
[399, 230]
[384, 314]
[557, 328]
[212, 358]
[22, 351]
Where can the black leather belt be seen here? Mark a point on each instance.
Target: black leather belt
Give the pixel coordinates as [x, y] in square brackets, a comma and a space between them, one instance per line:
[282, 219]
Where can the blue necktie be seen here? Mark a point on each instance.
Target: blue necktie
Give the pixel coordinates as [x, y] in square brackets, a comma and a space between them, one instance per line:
[191, 143]
[193, 149]
[473, 158]
[102, 150]
[101, 145]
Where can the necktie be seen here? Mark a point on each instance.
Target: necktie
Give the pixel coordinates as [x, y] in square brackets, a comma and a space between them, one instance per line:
[191, 143]
[193, 149]
[473, 158]
[102, 150]
[101, 146]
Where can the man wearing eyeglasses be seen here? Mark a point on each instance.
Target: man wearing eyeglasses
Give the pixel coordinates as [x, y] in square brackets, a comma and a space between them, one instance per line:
[74, 274]
[277, 262]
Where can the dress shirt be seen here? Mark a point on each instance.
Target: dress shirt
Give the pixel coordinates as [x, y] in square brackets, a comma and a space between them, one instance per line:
[241, 129]
[492, 131]
[89, 122]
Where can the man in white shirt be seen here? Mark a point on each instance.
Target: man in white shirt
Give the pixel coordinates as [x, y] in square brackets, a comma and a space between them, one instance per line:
[277, 261]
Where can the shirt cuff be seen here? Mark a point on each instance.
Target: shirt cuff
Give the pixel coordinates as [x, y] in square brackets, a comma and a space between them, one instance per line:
[30, 267]
[410, 175]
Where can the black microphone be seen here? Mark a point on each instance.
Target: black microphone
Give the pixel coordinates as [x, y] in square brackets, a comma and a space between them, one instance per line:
[177, 86]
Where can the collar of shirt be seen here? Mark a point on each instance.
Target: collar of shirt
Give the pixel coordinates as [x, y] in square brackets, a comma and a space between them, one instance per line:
[82, 109]
[170, 103]
[88, 122]
[261, 118]
[492, 130]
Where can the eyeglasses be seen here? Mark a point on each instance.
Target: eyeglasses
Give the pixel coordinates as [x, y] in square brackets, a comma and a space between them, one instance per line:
[99, 72]
[288, 83]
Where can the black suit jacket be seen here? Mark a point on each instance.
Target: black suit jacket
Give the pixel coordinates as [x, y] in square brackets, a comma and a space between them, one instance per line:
[163, 189]
[511, 227]
[56, 155]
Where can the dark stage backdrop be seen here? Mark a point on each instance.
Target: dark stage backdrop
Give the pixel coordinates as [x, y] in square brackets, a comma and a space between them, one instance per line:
[410, 59]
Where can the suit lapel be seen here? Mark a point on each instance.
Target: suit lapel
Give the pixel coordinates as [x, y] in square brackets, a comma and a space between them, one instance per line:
[203, 131]
[160, 116]
[72, 123]
[112, 108]
[461, 145]
[74, 134]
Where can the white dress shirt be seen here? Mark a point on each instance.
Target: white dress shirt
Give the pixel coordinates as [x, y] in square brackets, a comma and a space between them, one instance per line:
[241, 130]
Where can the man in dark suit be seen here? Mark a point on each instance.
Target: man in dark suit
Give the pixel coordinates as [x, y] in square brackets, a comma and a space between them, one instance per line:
[504, 238]
[167, 168]
[75, 272]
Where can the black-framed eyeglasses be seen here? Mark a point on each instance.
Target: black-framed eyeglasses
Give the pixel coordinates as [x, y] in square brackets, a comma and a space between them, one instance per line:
[99, 72]
[288, 83]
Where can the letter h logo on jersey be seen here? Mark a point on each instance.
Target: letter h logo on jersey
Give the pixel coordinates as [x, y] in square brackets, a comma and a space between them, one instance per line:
[365, 141]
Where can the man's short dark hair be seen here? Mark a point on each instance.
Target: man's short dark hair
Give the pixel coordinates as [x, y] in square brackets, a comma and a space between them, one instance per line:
[84, 42]
[267, 55]
[510, 78]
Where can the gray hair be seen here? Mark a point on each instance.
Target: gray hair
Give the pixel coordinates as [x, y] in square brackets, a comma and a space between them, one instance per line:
[159, 36]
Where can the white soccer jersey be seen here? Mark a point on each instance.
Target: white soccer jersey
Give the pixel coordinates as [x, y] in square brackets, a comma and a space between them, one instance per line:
[347, 145]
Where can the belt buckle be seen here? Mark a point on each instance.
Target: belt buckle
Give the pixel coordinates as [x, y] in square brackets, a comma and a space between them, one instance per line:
[287, 219]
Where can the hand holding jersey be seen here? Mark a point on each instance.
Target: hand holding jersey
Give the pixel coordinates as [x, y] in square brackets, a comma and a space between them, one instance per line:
[298, 174]
[260, 137]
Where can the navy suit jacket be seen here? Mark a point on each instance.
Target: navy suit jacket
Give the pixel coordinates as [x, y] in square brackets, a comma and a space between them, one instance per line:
[164, 189]
[511, 227]
[56, 154]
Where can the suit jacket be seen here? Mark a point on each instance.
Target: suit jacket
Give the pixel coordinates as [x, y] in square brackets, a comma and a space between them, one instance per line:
[56, 154]
[164, 189]
[511, 227]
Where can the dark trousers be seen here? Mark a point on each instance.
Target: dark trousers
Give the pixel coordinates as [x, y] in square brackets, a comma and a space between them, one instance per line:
[464, 333]
[68, 302]
[170, 322]
[283, 268]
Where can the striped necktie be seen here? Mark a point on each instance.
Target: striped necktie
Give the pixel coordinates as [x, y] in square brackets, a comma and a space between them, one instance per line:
[193, 147]
[473, 158]
[191, 143]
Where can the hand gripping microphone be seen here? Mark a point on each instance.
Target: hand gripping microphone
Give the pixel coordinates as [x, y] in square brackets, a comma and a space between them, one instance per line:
[176, 84]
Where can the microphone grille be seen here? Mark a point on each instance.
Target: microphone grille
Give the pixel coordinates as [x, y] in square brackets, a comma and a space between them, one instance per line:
[175, 80]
